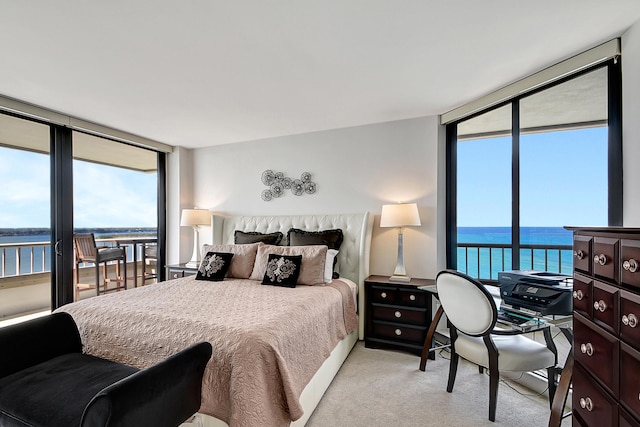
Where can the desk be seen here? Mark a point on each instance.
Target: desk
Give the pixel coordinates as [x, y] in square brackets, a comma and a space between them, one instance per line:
[539, 322]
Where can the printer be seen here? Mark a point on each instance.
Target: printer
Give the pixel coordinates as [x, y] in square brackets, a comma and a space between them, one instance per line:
[539, 291]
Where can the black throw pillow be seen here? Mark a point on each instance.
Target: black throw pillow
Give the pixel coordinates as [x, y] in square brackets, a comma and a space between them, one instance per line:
[282, 270]
[244, 237]
[214, 266]
[331, 238]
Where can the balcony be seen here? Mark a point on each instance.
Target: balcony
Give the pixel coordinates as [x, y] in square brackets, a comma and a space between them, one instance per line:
[25, 276]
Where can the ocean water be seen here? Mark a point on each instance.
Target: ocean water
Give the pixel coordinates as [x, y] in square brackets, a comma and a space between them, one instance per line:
[485, 263]
[27, 235]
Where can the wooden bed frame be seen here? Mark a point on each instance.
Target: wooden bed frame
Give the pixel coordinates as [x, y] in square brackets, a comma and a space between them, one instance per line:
[353, 264]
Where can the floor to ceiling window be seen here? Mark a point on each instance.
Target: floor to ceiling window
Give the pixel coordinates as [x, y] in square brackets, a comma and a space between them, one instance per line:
[55, 181]
[25, 233]
[522, 171]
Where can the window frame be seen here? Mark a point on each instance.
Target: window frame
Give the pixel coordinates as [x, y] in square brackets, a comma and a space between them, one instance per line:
[614, 159]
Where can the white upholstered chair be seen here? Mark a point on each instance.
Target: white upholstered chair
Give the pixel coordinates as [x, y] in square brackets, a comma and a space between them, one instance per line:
[472, 315]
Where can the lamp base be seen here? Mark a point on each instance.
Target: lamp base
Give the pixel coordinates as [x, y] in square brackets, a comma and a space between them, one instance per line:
[192, 264]
[396, 278]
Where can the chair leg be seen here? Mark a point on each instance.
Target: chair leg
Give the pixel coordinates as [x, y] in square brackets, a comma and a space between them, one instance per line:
[494, 379]
[552, 383]
[97, 264]
[453, 369]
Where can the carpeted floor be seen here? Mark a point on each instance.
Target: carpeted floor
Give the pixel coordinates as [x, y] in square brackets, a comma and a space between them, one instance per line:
[381, 388]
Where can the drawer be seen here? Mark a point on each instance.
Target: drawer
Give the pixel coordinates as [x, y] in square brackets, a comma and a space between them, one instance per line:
[413, 316]
[412, 297]
[627, 420]
[385, 294]
[175, 274]
[582, 253]
[596, 350]
[629, 384]
[591, 403]
[399, 332]
[630, 318]
[605, 306]
[582, 290]
[630, 263]
[605, 258]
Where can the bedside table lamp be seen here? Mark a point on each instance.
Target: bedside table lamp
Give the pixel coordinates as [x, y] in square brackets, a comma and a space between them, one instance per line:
[400, 215]
[195, 218]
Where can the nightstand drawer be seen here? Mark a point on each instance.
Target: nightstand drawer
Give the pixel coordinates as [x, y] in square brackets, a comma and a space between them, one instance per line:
[412, 297]
[384, 294]
[399, 314]
[393, 331]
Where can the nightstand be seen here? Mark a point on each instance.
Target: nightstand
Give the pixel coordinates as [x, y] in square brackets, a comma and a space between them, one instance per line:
[180, 270]
[397, 314]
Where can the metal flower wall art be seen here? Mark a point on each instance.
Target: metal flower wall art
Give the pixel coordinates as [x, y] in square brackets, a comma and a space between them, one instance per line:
[278, 183]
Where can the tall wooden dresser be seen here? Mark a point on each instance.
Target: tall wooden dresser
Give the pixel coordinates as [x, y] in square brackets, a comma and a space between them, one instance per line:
[606, 326]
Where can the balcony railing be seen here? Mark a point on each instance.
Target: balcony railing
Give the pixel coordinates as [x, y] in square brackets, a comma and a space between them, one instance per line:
[19, 259]
[485, 260]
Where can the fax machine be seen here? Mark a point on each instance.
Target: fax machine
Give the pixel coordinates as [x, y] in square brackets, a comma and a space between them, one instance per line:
[539, 291]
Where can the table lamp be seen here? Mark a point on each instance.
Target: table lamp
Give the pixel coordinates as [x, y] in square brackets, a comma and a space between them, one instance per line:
[400, 215]
[195, 218]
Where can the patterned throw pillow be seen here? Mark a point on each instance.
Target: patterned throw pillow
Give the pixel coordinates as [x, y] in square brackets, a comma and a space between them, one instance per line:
[282, 270]
[214, 266]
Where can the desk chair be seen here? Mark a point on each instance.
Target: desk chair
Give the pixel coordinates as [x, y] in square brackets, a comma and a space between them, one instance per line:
[88, 252]
[472, 315]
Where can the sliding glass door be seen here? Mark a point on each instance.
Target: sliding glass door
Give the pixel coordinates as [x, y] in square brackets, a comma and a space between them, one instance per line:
[55, 179]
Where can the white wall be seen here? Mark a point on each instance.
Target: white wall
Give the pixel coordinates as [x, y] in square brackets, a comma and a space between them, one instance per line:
[356, 169]
[631, 125]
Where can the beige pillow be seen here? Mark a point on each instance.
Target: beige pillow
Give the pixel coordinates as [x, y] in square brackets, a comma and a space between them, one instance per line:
[244, 256]
[311, 270]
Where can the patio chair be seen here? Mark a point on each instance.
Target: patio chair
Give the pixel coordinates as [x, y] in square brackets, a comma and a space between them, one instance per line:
[88, 252]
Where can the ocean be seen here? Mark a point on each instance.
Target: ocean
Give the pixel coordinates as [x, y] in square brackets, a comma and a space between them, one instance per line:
[485, 264]
[27, 235]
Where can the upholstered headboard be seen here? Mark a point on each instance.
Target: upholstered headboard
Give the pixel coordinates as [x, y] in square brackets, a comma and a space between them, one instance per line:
[353, 258]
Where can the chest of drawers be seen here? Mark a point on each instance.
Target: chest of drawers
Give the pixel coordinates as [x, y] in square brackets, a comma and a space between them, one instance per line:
[397, 315]
[606, 345]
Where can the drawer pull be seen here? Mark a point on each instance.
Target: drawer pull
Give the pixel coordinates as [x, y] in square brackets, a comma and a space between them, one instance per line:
[600, 259]
[630, 265]
[578, 295]
[398, 332]
[412, 297]
[383, 295]
[578, 254]
[586, 403]
[398, 314]
[600, 305]
[587, 349]
[630, 320]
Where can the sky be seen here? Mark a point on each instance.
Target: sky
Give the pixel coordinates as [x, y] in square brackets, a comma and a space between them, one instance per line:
[104, 196]
[563, 180]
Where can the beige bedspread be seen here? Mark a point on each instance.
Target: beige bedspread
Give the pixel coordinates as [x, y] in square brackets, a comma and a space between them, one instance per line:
[267, 341]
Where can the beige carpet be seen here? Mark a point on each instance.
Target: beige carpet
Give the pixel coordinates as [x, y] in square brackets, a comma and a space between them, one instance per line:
[386, 388]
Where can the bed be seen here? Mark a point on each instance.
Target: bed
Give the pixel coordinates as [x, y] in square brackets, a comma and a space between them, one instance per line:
[266, 370]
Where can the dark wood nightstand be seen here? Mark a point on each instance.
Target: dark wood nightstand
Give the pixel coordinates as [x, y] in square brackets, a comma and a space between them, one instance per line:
[180, 270]
[397, 314]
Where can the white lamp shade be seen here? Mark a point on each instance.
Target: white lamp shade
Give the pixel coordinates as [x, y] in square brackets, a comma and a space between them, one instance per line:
[192, 217]
[400, 215]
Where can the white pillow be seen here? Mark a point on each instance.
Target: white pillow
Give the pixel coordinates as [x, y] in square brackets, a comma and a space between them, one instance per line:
[328, 265]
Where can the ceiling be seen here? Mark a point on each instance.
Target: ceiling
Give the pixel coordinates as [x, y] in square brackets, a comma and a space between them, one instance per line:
[205, 72]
